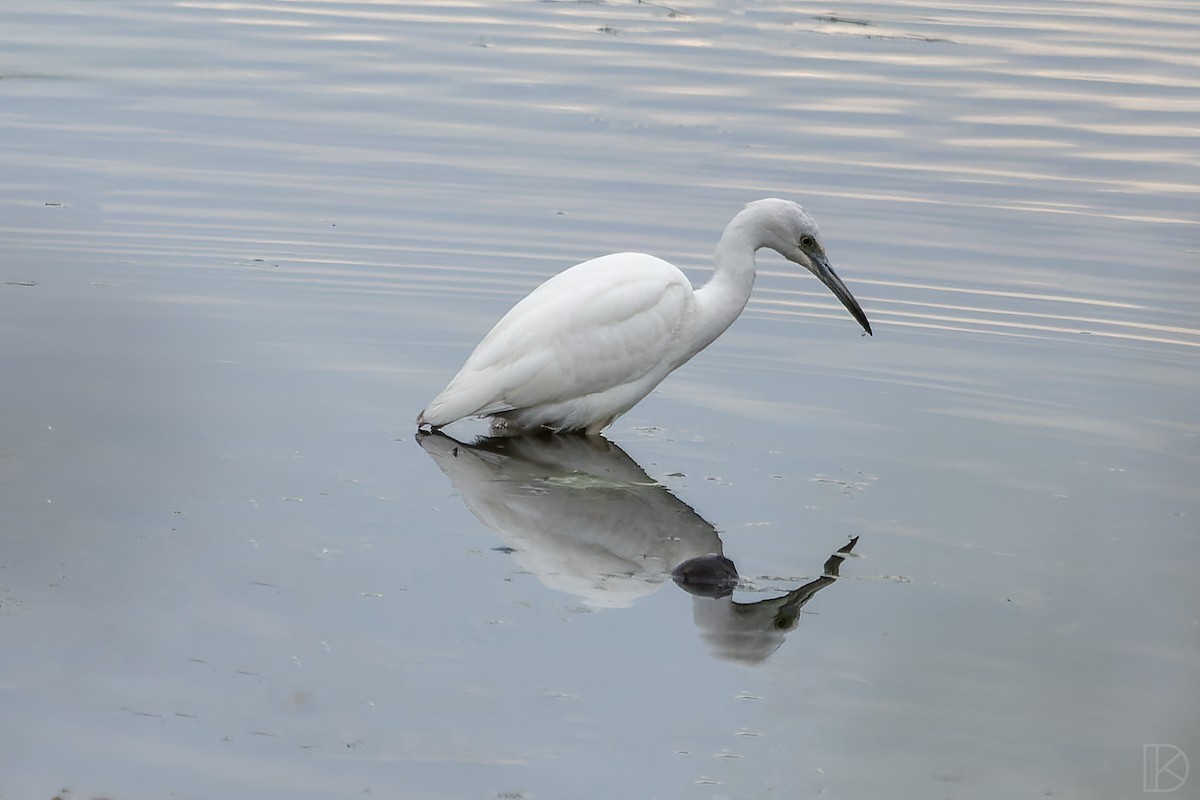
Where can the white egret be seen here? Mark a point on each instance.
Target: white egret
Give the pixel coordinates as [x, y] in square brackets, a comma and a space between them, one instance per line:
[589, 343]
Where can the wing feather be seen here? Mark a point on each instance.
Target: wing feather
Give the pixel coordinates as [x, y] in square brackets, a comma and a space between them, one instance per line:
[598, 325]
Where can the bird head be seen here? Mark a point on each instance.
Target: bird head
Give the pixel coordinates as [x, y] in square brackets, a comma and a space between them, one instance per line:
[792, 232]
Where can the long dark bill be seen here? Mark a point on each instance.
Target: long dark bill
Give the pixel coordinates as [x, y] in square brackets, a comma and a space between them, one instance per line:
[830, 278]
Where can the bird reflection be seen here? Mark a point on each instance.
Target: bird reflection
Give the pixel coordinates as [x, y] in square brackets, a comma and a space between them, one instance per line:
[585, 519]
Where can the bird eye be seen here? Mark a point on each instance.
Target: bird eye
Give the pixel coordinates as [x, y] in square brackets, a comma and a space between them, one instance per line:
[807, 242]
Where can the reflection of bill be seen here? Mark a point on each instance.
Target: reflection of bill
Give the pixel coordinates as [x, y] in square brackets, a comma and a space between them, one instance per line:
[581, 515]
[1164, 768]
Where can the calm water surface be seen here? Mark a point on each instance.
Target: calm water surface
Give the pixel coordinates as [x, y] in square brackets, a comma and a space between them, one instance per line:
[243, 243]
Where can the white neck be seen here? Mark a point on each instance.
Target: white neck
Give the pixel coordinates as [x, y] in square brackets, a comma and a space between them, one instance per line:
[721, 300]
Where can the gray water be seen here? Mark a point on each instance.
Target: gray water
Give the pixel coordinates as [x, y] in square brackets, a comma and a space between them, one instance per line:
[244, 243]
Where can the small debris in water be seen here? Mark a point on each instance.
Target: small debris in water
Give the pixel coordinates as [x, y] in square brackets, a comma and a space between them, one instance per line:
[671, 12]
[844, 20]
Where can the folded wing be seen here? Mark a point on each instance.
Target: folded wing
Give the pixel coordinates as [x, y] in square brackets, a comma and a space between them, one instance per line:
[605, 323]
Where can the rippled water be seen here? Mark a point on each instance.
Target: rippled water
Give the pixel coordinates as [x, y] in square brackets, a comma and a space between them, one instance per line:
[244, 243]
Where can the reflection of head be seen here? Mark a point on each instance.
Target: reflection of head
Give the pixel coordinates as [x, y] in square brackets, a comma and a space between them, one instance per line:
[745, 632]
[750, 632]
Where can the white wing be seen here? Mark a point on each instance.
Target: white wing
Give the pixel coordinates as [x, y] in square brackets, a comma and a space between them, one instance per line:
[605, 323]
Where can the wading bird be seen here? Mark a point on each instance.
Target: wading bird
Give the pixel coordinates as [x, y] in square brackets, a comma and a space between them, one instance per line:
[585, 346]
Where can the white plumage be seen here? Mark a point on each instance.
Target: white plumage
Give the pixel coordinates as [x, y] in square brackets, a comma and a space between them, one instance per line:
[589, 343]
